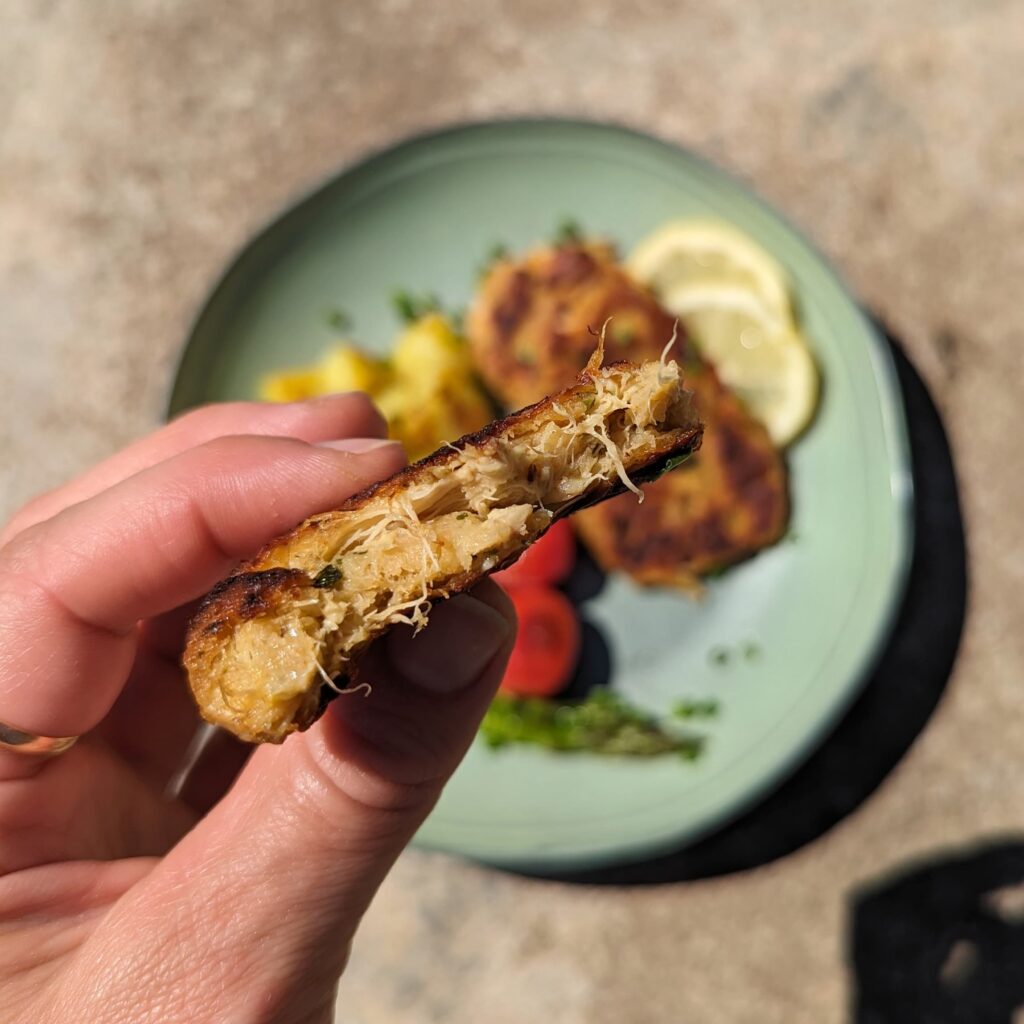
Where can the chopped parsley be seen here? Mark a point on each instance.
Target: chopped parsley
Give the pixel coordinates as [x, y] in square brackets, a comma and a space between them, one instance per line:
[327, 577]
[410, 307]
[695, 708]
[673, 463]
[604, 723]
[689, 358]
[497, 252]
[677, 460]
[338, 320]
[751, 650]
[622, 334]
[719, 655]
[568, 232]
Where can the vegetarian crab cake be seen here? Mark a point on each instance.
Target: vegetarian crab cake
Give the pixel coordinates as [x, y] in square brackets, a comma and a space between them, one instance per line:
[272, 643]
[531, 330]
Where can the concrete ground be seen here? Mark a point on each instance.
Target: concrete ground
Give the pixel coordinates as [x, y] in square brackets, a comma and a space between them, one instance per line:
[142, 142]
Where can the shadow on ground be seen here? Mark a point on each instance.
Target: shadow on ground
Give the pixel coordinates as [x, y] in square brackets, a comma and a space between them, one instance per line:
[942, 941]
[893, 707]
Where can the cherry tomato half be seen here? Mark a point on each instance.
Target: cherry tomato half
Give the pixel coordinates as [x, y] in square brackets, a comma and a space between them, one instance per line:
[550, 560]
[547, 646]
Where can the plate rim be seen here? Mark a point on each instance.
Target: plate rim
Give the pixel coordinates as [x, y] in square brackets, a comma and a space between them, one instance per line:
[895, 432]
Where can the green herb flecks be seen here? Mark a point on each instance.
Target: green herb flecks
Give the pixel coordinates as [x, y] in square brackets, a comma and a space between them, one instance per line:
[327, 577]
[688, 357]
[695, 708]
[751, 650]
[719, 656]
[604, 723]
[673, 463]
[410, 307]
[498, 252]
[677, 460]
[462, 515]
[338, 320]
[622, 334]
[718, 571]
[568, 232]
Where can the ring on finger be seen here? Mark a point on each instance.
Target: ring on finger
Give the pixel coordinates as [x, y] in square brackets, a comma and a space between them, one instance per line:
[22, 742]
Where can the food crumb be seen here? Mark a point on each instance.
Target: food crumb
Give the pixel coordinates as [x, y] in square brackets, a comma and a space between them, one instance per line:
[719, 655]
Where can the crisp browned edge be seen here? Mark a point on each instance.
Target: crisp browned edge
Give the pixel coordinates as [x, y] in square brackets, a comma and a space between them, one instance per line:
[393, 484]
[252, 591]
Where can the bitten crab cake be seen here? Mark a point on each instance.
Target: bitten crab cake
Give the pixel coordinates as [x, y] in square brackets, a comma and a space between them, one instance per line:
[274, 642]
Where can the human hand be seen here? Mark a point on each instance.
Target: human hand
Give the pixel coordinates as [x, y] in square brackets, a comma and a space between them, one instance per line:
[119, 904]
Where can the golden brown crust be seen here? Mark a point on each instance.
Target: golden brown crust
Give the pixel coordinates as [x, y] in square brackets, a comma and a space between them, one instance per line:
[242, 597]
[270, 586]
[270, 554]
[258, 587]
[248, 594]
[729, 502]
[531, 325]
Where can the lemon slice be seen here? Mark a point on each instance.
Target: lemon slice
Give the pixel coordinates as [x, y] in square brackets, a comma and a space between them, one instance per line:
[696, 251]
[761, 357]
[778, 383]
[723, 317]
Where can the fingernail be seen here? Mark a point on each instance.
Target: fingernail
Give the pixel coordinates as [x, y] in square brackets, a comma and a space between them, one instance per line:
[359, 445]
[461, 640]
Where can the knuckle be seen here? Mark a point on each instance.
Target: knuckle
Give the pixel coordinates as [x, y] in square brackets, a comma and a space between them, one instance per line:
[231, 449]
[25, 517]
[214, 412]
[360, 405]
[18, 549]
[361, 401]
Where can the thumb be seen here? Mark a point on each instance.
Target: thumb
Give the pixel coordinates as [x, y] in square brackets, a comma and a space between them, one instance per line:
[268, 889]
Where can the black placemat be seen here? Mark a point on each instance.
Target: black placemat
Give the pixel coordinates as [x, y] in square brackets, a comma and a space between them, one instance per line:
[893, 707]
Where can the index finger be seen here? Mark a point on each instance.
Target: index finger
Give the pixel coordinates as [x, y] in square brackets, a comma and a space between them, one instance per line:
[320, 419]
[72, 589]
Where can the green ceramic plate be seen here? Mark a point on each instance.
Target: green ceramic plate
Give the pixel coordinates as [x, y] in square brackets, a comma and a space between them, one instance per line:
[811, 613]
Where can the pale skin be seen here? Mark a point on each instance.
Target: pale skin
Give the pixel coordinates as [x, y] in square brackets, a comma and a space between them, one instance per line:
[118, 904]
